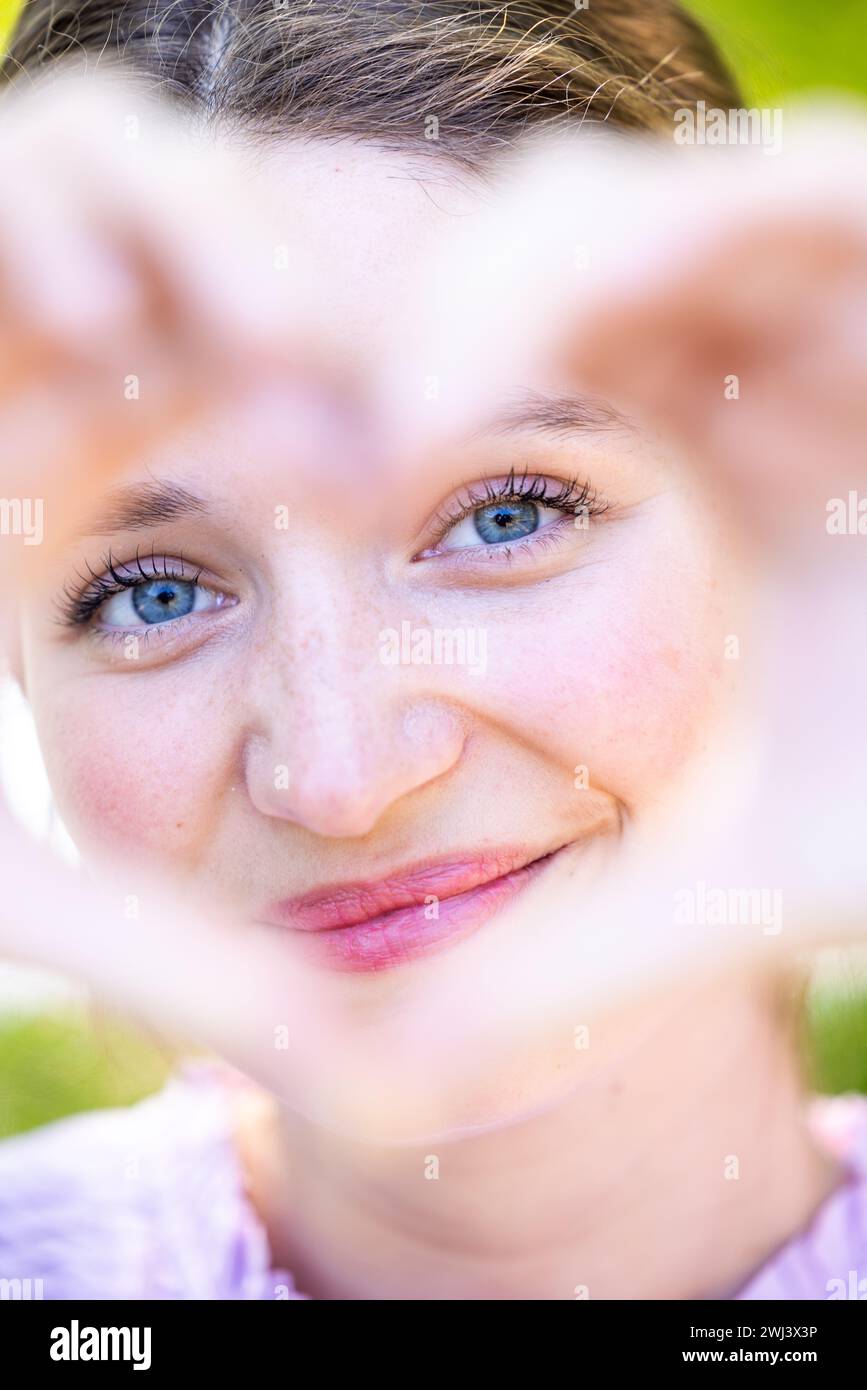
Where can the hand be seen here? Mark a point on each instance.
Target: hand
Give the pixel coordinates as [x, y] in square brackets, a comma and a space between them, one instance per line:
[138, 290]
[138, 285]
[720, 298]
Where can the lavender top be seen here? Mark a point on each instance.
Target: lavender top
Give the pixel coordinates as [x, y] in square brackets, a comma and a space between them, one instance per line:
[149, 1202]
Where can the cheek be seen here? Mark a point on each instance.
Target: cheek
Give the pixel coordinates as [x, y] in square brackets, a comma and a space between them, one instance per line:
[137, 765]
[620, 667]
[646, 684]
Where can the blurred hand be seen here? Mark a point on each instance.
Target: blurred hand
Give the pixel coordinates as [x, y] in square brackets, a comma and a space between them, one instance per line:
[137, 293]
[137, 284]
[719, 297]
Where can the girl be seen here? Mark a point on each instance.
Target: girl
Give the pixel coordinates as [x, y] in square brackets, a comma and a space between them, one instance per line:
[415, 598]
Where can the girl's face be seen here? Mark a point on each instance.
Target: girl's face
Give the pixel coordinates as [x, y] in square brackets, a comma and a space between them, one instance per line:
[367, 704]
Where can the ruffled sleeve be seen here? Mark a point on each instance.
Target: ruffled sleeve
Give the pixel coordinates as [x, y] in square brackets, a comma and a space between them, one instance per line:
[146, 1202]
[828, 1260]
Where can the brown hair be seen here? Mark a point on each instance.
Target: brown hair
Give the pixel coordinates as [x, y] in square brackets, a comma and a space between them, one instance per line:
[470, 78]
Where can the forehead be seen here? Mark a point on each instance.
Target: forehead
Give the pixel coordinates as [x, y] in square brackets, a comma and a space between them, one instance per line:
[366, 221]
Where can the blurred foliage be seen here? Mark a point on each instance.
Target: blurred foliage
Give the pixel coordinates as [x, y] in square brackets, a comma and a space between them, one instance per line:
[780, 47]
[8, 11]
[837, 1040]
[55, 1064]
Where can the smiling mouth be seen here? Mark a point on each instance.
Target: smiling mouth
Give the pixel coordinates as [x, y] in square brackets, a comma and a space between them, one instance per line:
[370, 926]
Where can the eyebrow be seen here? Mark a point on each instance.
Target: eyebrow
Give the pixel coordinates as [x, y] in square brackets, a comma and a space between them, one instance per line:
[559, 414]
[139, 506]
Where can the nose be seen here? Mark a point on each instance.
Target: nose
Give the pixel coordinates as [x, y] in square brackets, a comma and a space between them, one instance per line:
[339, 738]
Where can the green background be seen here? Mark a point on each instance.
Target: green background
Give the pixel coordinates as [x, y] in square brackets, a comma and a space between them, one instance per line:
[52, 1065]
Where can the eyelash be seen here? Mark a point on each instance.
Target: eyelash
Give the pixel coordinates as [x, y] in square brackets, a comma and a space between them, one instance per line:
[568, 498]
[77, 608]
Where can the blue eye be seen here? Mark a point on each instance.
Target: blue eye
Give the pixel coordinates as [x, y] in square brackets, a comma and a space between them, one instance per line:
[160, 600]
[512, 510]
[506, 521]
[154, 602]
[495, 523]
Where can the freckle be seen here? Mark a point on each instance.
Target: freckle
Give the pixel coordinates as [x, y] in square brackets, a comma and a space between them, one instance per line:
[178, 824]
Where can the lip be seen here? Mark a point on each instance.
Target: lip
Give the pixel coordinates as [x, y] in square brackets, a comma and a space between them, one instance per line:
[376, 925]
